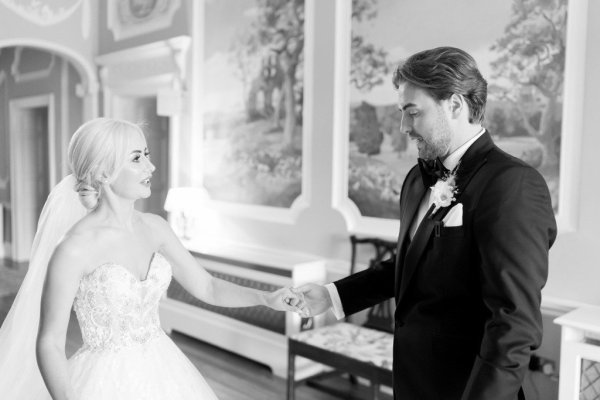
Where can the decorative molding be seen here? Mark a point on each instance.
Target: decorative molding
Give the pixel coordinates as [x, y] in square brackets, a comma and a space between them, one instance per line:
[356, 224]
[154, 66]
[179, 57]
[157, 69]
[86, 19]
[85, 67]
[30, 76]
[23, 228]
[555, 306]
[42, 13]
[153, 70]
[572, 121]
[264, 213]
[196, 172]
[128, 18]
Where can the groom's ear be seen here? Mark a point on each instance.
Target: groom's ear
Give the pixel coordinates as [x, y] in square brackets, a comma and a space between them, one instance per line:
[456, 105]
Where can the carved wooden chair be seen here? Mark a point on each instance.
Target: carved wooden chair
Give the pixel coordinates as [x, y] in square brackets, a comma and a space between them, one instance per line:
[344, 347]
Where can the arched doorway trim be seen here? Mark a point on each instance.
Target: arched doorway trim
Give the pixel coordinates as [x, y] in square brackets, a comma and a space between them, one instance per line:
[85, 67]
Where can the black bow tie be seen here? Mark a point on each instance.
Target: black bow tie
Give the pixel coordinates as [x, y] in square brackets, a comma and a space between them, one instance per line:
[431, 171]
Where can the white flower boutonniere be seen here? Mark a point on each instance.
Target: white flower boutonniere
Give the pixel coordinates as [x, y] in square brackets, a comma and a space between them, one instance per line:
[444, 191]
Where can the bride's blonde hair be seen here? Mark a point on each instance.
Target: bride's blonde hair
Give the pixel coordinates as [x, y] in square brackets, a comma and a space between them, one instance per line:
[97, 151]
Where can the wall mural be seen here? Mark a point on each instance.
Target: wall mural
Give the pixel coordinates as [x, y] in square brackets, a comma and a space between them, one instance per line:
[252, 101]
[43, 12]
[519, 46]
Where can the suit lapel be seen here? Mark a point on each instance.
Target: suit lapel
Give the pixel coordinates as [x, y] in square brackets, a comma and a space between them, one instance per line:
[471, 162]
[411, 206]
[408, 212]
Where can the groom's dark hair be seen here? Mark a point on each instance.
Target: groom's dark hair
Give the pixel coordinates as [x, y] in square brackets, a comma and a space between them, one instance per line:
[445, 71]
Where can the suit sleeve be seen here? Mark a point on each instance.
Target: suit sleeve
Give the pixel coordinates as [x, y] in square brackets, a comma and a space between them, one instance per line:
[366, 288]
[515, 228]
[372, 286]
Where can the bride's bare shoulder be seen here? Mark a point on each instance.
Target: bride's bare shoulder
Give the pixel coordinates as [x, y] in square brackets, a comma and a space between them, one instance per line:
[83, 234]
[79, 245]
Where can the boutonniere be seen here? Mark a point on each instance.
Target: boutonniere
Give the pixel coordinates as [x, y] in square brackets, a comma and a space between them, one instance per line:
[444, 191]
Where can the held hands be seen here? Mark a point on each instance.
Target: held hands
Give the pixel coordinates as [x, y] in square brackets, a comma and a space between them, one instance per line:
[309, 300]
[287, 299]
[316, 298]
[306, 300]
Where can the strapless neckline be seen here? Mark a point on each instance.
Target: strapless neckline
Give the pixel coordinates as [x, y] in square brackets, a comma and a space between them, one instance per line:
[127, 270]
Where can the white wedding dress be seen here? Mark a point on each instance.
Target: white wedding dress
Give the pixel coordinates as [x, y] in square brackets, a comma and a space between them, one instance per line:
[126, 355]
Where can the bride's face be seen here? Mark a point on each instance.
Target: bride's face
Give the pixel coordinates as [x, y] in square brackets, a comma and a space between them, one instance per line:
[134, 180]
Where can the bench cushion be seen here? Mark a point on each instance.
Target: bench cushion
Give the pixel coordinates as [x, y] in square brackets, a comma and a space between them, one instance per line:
[364, 344]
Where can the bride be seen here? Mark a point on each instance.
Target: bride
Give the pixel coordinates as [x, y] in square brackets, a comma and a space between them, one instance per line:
[113, 264]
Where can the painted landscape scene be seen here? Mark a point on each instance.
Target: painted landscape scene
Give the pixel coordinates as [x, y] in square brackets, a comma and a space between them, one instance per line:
[519, 46]
[252, 101]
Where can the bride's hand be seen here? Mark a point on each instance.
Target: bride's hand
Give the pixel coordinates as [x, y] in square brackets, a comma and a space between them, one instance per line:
[287, 299]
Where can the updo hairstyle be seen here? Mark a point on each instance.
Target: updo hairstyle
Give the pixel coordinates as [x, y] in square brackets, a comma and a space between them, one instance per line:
[97, 151]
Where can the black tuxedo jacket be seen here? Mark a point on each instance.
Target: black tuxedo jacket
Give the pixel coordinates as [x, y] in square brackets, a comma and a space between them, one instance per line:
[467, 297]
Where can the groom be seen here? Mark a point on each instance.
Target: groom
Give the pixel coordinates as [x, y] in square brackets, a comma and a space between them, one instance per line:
[476, 225]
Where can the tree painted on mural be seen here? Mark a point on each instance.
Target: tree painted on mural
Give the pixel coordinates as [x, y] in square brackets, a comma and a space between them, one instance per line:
[368, 63]
[368, 67]
[254, 149]
[372, 184]
[529, 71]
[275, 37]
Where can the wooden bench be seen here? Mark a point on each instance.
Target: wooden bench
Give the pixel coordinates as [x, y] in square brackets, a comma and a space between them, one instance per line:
[346, 347]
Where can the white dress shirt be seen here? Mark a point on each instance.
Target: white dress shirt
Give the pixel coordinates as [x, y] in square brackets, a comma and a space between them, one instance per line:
[450, 162]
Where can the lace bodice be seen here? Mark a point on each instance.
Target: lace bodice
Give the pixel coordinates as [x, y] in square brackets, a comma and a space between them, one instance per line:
[115, 309]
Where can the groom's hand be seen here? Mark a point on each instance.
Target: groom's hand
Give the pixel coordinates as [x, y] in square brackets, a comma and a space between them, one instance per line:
[287, 299]
[316, 298]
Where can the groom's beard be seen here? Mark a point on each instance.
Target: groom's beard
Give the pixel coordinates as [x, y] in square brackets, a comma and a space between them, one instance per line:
[438, 144]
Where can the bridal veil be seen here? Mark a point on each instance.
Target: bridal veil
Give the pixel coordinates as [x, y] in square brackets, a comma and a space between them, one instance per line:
[19, 374]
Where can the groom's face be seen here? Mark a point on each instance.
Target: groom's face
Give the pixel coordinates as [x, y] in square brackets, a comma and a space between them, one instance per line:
[425, 121]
